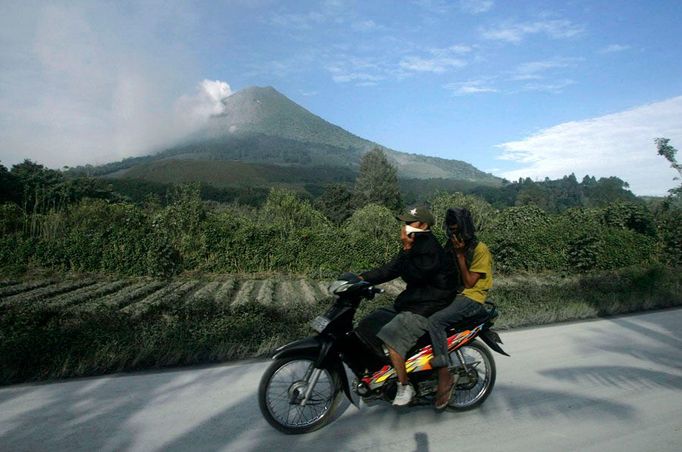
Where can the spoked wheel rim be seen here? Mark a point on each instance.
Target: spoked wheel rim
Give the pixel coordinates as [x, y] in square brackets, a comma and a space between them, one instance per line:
[472, 385]
[287, 388]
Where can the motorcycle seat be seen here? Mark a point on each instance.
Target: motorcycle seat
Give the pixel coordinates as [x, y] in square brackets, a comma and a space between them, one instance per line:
[455, 328]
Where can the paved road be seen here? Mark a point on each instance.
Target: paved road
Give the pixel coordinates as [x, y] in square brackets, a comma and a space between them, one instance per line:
[607, 385]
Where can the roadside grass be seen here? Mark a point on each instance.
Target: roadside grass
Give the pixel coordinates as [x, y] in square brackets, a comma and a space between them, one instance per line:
[57, 326]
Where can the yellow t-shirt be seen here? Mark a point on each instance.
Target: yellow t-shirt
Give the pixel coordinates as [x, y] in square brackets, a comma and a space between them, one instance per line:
[482, 262]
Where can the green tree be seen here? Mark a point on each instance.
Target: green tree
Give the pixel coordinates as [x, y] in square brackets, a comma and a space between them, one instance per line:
[669, 218]
[10, 190]
[336, 203]
[377, 182]
[606, 190]
[669, 152]
[39, 186]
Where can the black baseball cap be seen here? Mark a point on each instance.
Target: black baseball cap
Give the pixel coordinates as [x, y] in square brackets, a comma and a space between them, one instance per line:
[417, 213]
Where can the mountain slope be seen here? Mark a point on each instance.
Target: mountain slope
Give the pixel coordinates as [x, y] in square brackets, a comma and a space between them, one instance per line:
[261, 125]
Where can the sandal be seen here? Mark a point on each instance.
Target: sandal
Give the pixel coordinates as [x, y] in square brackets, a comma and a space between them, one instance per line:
[448, 392]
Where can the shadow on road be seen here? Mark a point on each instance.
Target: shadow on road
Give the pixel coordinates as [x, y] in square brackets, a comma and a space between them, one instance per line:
[618, 376]
[662, 329]
[90, 414]
[180, 410]
[543, 403]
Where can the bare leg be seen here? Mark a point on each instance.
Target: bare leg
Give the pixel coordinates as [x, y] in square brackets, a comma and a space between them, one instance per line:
[445, 380]
[398, 364]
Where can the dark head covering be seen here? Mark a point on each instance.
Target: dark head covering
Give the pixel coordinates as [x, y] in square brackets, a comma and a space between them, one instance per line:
[467, 230]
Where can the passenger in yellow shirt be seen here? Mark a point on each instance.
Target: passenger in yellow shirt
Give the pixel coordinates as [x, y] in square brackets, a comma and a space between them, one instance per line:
[474, 262]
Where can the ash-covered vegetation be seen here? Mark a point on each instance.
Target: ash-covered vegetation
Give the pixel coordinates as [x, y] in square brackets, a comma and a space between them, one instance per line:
[94, 281]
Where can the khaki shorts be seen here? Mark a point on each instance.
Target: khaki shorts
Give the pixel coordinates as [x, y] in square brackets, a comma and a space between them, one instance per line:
[402, 332]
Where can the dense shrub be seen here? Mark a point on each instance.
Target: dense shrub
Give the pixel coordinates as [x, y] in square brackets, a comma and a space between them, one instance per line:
[369, 238]
[669, 226]
[287, 234]
[521, 239]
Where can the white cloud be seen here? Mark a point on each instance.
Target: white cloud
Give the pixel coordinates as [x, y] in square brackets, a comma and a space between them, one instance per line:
[619, 144]
[436, 60]
[470, 87]
[457, 49]
[91, 82]
[360, 77]
[535, 70]
[299, 21]
[328, 13]
[434, 6]
[364, 25]
[436, 65]
[363, 71]
[614, 48]
[516, 32]
[554, 87]
[476, 6]
[206, 102]
[445, 6]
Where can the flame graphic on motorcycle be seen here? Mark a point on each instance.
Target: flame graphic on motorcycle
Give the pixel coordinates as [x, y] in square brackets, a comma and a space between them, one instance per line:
[421, 360]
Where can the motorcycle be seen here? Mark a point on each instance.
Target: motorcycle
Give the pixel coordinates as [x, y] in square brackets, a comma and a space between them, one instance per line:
[301, 390]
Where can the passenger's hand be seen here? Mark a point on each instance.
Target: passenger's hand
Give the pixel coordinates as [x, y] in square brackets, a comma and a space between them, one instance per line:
[460, 247]
[408, 240]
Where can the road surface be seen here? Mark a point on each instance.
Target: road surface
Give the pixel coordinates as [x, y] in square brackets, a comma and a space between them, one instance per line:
[608, 385]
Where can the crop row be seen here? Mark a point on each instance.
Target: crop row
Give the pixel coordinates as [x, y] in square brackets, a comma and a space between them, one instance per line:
[127, 296]
[46, 292]
[86, 294]
[137, 296]
[8, 282]
[167, 296]
[16, 288]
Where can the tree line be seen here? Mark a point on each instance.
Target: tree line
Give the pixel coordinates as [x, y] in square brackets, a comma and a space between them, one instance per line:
[82, 224]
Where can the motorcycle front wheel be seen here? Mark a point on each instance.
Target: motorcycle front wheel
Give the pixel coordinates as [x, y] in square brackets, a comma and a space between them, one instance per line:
[283, 388]
[476, 376]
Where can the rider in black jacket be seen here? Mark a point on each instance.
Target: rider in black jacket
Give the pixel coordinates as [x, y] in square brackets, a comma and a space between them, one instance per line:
[432, 283]
[428, 271]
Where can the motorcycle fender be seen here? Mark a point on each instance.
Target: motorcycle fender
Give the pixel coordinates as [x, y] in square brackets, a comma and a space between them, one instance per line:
[314, 346]
[309, 346]
[346, 377]
[491, 338]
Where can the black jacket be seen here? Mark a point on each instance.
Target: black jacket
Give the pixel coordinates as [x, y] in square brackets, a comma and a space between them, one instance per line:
[429, 271]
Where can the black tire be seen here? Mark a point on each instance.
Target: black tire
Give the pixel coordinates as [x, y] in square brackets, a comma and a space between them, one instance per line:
[468, 395]
[295, 387]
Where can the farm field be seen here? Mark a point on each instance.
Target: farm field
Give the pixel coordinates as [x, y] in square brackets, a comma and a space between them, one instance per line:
[83, 325]
[75, 325]
[139, 295]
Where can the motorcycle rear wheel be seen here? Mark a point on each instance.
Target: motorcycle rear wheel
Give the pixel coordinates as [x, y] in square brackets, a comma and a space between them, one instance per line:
[282, 389]
[474, 386]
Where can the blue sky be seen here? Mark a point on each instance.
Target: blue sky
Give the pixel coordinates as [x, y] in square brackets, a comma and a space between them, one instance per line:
[520, 89]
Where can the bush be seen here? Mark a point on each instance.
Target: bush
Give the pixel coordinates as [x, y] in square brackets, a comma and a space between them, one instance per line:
[371, 237]
[484, 215]
[669, 226]
[522, 238]
[289, 235]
